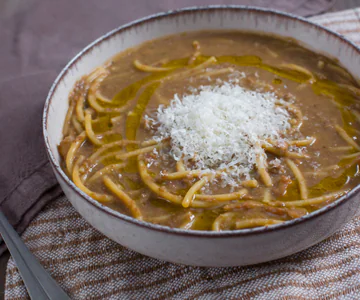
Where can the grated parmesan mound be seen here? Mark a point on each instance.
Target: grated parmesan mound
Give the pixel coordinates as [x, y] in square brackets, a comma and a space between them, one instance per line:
[222, 128]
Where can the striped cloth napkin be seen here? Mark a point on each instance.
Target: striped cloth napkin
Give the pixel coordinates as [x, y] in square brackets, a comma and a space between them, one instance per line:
[90, 266]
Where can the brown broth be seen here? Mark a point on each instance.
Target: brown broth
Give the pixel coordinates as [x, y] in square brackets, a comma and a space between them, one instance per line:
[328, 97]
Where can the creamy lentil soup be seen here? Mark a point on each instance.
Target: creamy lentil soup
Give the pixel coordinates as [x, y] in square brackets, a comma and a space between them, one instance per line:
[214, 130]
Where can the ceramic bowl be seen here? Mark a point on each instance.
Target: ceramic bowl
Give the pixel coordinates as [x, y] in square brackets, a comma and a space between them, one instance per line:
[227, 248]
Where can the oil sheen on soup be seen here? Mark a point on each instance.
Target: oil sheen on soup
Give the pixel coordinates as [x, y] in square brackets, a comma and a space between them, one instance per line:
[214, 130]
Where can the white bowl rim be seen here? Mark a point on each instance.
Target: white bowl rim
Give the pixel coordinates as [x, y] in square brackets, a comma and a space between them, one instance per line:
[177, 231]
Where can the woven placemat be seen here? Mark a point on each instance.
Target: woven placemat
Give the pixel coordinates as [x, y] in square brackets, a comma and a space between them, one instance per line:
[90, 266]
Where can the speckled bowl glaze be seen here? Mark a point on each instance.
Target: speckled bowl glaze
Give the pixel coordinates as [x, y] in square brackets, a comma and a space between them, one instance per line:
[216, 249]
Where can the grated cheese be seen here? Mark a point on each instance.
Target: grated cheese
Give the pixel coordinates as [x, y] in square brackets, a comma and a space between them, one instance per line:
[221, 128]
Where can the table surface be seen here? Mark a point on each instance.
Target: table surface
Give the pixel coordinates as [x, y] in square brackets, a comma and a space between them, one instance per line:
[339, 5]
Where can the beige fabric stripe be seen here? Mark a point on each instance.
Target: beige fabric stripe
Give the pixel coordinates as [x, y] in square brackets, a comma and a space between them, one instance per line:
[342, 293]
[36, 223]
[133, 288]
[80, 257]
[50, 247]
[114, 248]
[148, 270]
[60, 232]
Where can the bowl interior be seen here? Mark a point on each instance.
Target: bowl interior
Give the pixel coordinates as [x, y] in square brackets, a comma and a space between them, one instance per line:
[217, 18]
